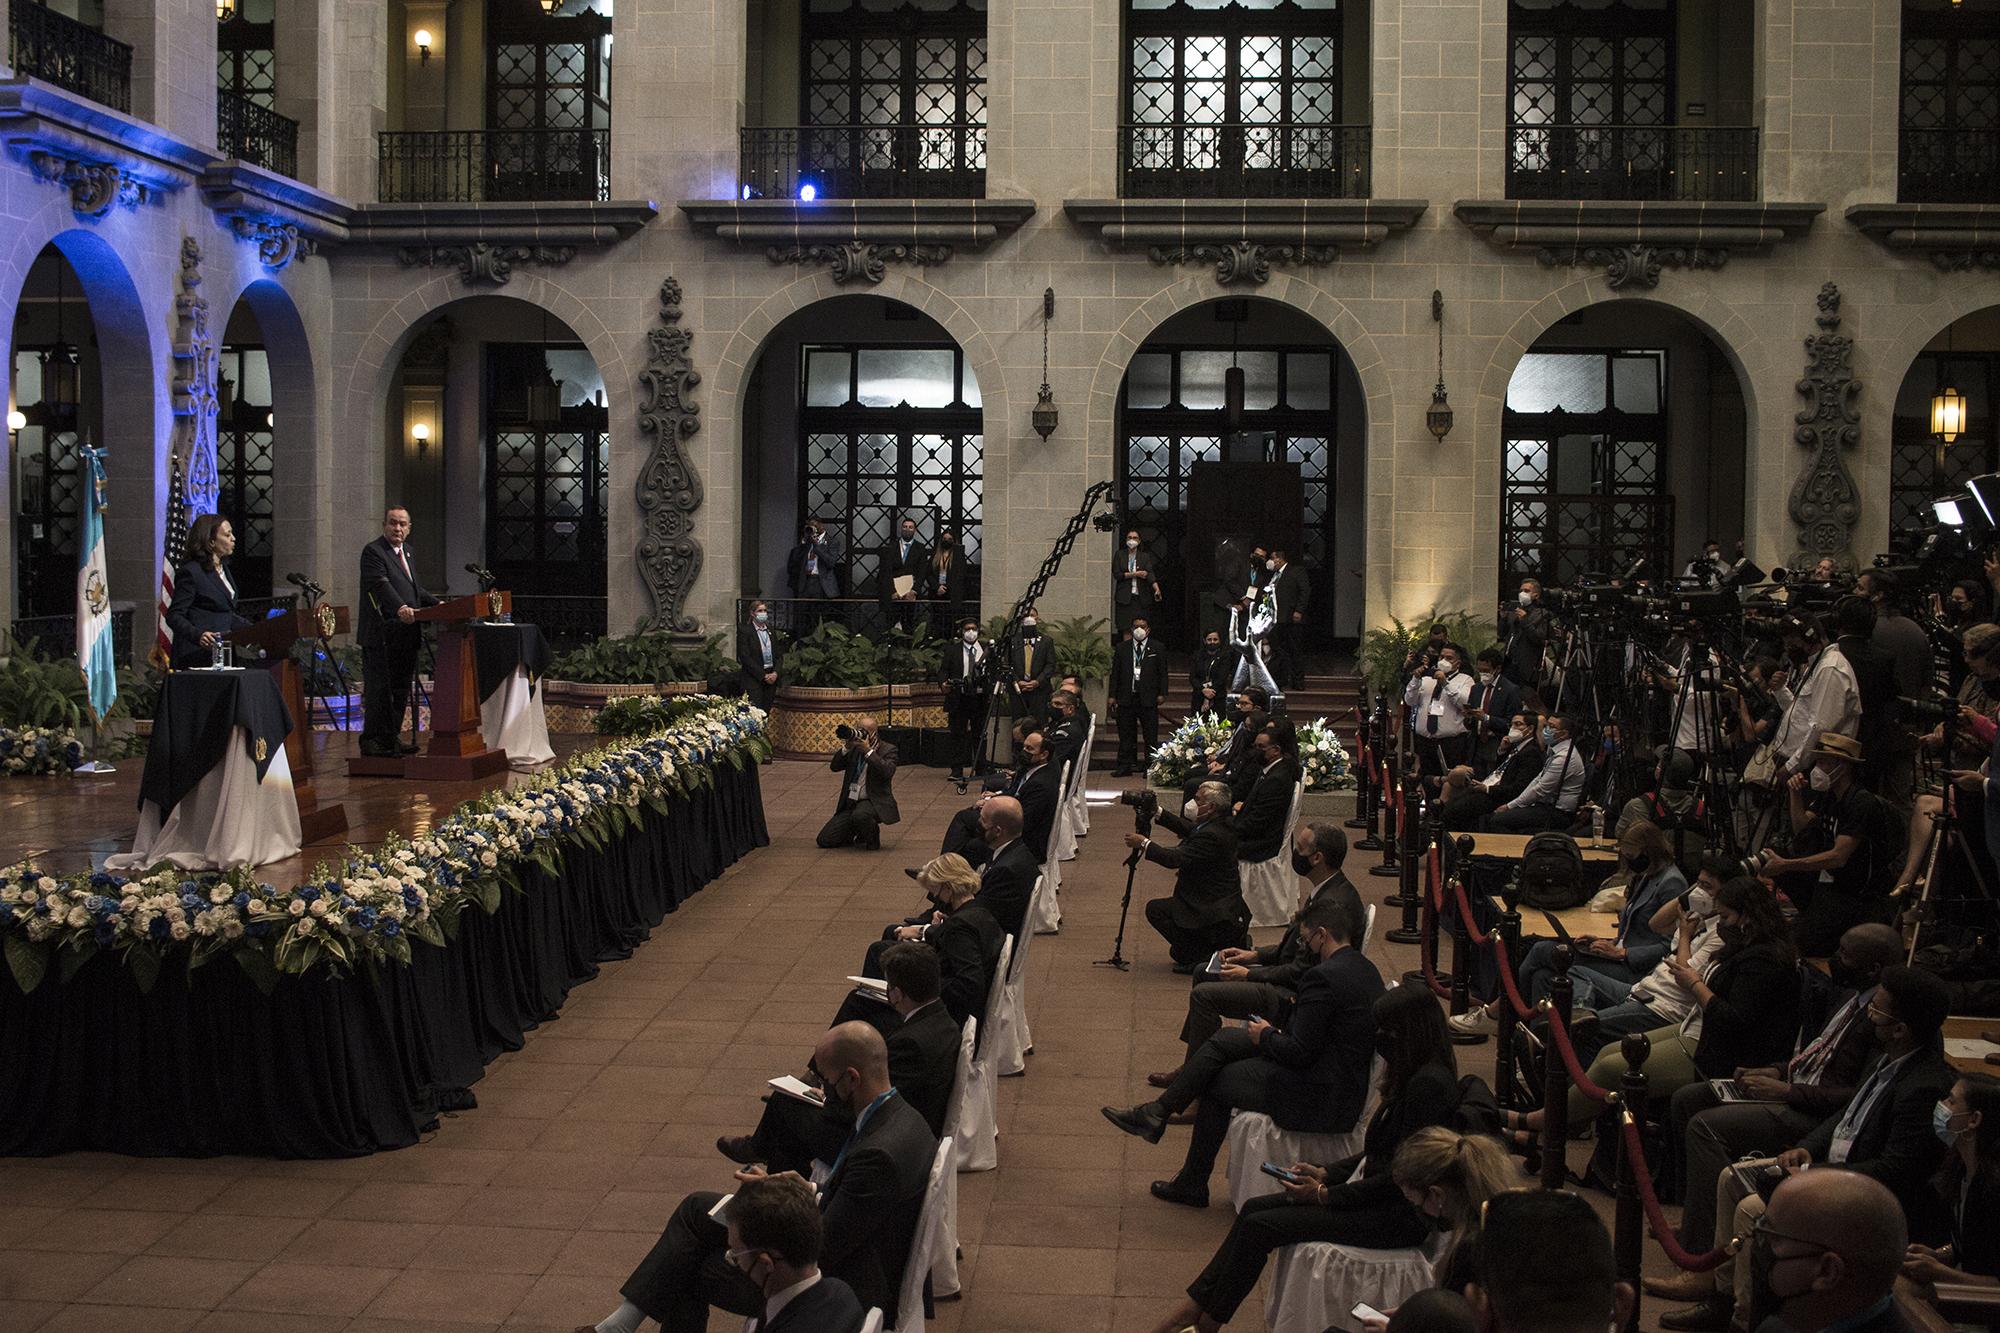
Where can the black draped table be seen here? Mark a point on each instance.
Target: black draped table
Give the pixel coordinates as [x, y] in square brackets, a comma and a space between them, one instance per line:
[217, 789]
[508, 661]
[338, 1065]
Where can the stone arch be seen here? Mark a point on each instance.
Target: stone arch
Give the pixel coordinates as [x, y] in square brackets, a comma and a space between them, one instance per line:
[1345, 330]
[136, 406]
[298, 538]
[1751, 358]
[721, 438]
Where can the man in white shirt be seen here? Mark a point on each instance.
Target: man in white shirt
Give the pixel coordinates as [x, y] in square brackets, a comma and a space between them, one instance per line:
[1827, 698]
[1550, 801]
[1437, 702]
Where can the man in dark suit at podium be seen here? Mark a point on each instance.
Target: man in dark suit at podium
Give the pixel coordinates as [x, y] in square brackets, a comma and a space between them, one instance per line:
[389, 635]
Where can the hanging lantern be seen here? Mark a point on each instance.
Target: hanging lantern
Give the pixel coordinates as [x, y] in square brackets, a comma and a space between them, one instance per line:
[62, 381]
[1043, 416]
[1437, 418]
[549, 7]
[545, 403]
[225, 10]
[1232, 398]
[1947, 414]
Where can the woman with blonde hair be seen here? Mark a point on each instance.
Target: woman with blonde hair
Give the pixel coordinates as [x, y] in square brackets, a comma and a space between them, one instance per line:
[964, 934]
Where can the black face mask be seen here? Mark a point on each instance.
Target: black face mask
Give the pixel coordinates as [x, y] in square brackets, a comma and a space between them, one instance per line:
[1846, 975]
[835, 1111]
[1640, 863]
[1301, 865]
[1765, 1300]
[1731, 936]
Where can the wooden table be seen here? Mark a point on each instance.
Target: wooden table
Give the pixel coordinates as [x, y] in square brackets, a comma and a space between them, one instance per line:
[1511, 846]
[1971, 1029]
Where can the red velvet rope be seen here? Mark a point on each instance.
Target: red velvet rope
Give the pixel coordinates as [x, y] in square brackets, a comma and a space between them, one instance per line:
[1655, 1215]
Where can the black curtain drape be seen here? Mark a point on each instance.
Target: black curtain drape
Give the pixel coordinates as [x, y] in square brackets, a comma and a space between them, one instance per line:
[335, 1065]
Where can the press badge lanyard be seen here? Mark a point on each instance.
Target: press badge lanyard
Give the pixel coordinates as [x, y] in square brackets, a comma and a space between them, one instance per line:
[860, 1123]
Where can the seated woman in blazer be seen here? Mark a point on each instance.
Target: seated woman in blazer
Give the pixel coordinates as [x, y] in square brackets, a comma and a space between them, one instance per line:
[204, 605]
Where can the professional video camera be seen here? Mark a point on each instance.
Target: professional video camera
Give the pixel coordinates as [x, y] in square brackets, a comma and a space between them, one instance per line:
[1597, 600]
[1145, 804]
[1931, 710]
[844, 732]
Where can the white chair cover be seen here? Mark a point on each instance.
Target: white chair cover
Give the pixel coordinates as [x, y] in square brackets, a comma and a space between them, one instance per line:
[1367, 927]
[231, 819]
[1080, 808]
[1269, 886]
[512, 719]
[873, 1323]
[1010, 1041]
[923, 1246]
[944, 1268]
[1254, 1138]
[978, 1125]
[1314, 1286]
[1046, 912]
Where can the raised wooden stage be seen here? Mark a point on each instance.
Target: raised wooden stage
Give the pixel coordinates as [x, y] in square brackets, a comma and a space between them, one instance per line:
[67, 824]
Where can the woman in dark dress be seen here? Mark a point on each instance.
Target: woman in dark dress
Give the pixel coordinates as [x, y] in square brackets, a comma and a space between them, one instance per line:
[1969, 1123]
[204, 605]
[1339, 1203]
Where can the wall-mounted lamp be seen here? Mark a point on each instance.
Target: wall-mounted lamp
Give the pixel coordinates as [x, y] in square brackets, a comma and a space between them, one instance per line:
[420, 435]
[1438, 418]
[17, 421]
[423, 40]
[551, 6]
[1947, 404]
[1043, 418]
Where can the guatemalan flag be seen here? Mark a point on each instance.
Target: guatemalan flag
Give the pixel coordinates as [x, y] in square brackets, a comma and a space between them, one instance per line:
[94, 651]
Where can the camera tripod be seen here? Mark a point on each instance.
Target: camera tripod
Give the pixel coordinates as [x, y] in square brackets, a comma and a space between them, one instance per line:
[1699, 673]
[1946, 834]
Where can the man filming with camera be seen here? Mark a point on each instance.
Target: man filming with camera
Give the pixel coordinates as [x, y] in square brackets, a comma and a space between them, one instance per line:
[1847, 845]
[867, 793]
[1206, 911]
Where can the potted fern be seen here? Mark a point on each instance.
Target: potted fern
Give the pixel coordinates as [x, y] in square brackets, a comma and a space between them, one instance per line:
[583, 680]
[908, 660]
[827, 679]
[1083, 650]
[1385, 648]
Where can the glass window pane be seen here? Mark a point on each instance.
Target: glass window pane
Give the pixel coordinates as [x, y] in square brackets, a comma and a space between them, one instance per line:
[1574, 456]
[1635, 381]
[1260, 380]
[827, 382]
[969, 385]
[919, 376]
[1545, 381]
[1149, 380]
[1309, 381]
[1201, 378]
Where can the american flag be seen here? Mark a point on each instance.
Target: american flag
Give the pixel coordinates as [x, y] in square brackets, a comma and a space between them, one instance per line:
[176, 551]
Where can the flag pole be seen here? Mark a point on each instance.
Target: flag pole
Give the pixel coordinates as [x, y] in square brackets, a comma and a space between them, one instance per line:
[96, 655]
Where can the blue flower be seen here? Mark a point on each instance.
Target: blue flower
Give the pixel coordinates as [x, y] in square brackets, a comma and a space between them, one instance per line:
[189, 888]
[308, 893]
[259, 928]
[365, 918]
[391, 929]
[241, 900]
[104, 932]
[191, 901]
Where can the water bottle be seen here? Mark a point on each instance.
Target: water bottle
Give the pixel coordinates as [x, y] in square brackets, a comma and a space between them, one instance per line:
[215, 653]
[1596, 825]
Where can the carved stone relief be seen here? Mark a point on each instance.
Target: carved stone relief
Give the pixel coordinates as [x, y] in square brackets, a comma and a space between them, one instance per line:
[669, 490]
[1826, 503]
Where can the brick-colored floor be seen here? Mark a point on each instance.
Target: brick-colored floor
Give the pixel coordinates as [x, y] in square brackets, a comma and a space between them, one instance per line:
[527, 1212]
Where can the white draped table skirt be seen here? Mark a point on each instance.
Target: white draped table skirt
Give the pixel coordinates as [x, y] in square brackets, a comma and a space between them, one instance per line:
[513, 721]
[229, 820]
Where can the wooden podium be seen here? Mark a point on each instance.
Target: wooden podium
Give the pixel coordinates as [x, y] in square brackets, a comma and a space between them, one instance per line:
[276, 637]
[457, 751]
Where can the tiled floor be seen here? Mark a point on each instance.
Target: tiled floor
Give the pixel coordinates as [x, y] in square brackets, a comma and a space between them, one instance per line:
[527, 1212]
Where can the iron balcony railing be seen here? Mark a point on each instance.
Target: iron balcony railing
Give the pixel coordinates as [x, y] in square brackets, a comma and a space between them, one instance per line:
[1949, 166]
[256, 134]
[56, 48]
[494, 166]
[54, 637]
[863, 161]
[869, 617]
[566, 621]
[1188, 159]
[1694, 162]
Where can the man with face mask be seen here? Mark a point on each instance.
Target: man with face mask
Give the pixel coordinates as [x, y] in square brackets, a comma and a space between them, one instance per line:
[1290, 590]
[1708, 569]
[1031, 665]
[962, 670]
[1210, 673]
[1884, 1132]
[867, 765]
[774, 1241]
[759, 648]
[1826, 700]
[868, 1207]
[1490, 709]
[906, 558]
[1847, 845]
[1136, 675]
[1437, 702]
[1260, 814]
[1551, 798]
[1206, 911]
[813, 567]
[1134, 589]
[1266, 980]
[1824, 1256]
[1786, 1102]
[1526, 625]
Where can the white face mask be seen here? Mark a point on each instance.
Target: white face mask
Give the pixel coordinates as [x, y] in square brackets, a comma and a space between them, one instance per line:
[1131, 543]
[1517, 734]
[1819, 779]
[1270, 564]
[1139, 634]
[1526, 599]
[1487, 678]
[762, 617]
[970, 636]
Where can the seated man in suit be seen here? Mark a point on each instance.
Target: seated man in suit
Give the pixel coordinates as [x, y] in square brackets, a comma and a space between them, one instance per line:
[1206, 911]
[775, 1237]
[869, 1206]
[1232, 764]
[1006, 876]
[758, 648]
[1266, 980]
[962, 835]
[1311, 1076]
[1884, 1132]
[1551, 798]
[1066, 730]
[867, 793]
[959, 929]
[923, 1062]
[1260, 814]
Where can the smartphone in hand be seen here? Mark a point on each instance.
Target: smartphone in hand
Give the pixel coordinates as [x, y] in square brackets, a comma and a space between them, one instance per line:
[1285, 1174]
[1368, 1316]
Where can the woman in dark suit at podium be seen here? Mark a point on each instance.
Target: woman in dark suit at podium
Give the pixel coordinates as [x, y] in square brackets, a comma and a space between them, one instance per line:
[204, 605]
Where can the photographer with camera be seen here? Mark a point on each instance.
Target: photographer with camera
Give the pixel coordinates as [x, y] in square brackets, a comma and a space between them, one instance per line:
[1437, 699]
[1847, 844]
[1971, 736]
[1527, 624]
[1206, 911]
[867, 794]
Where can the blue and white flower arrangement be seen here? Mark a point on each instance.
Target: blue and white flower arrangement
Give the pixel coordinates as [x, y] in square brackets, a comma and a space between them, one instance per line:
[370, 908]
[1322, 758]
[31, 751]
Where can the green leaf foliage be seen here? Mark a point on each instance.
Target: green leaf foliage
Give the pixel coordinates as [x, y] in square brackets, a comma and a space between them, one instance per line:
[831, 657]
[1384, 650]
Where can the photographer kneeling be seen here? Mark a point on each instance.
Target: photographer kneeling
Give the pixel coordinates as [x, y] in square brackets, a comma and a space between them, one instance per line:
[867, 795]
[1206, 911]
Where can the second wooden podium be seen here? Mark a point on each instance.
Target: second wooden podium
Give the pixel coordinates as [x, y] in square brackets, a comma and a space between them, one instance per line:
[456, 750]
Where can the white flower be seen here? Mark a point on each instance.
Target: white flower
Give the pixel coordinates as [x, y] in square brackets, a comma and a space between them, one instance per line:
[298, 907]
[78, 918]
[318, 907]
[232, 929]
[219, 894]
[179, 930]
[254, 906]
[307, 925]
